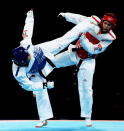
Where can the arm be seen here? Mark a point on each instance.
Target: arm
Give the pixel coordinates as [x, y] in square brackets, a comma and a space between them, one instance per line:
[28, 85]
[28, 29]
[73, 18]
[20, 75]
[94, 49]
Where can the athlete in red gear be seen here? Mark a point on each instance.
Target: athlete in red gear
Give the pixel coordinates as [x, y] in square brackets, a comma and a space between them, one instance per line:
[93, 36]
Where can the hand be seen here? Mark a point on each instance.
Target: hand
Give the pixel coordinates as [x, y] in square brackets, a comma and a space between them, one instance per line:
[61, 15]
[30, 13]
[50, 85]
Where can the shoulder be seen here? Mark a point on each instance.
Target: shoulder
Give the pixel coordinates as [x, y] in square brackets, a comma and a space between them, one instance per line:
[111, 35]
[94, 22]
[25, 42]
[16, 68]
[94, 19]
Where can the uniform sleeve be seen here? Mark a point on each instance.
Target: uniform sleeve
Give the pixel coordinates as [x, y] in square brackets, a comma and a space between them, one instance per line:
[74, 18]
[20, 75]
[94, 49]
[28, 29]
[28, 85]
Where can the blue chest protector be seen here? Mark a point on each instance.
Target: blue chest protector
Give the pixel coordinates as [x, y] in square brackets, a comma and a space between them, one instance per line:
[39, 62]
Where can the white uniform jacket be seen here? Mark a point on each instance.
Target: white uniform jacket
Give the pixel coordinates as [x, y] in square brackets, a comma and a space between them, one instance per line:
[31, 81]
[88, 32]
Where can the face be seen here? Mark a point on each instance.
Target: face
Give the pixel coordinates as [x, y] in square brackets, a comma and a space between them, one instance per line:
[106, 26]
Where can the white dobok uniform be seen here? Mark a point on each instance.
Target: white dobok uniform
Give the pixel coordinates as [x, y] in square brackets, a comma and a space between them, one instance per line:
[92, 42]
[31, 80]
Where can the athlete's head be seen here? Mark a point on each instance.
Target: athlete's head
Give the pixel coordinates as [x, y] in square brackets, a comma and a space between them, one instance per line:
[108, 22]
[20, 56]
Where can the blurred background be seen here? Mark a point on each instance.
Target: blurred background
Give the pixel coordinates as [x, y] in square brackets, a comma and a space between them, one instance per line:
[16, 103]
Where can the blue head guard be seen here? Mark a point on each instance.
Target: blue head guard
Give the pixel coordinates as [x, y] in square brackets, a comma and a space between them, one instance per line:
[20, 56]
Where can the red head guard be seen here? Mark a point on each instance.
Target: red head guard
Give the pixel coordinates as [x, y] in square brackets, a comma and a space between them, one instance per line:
[110, 17]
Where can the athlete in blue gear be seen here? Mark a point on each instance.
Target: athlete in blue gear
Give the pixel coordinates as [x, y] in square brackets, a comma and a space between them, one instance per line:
[32, 64]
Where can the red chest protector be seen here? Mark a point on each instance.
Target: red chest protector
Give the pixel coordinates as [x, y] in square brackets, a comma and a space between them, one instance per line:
[82, 53]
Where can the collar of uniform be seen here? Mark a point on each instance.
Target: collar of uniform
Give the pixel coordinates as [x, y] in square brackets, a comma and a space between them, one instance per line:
[31, 60]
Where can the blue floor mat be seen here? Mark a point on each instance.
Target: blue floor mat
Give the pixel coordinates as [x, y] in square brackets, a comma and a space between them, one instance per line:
[61, 125]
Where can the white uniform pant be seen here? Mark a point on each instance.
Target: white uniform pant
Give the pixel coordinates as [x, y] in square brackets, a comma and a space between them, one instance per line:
[85, 79]
[43, 105]
[69, 58]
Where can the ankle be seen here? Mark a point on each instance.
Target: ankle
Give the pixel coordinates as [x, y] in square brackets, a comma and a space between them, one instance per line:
[87, 118]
